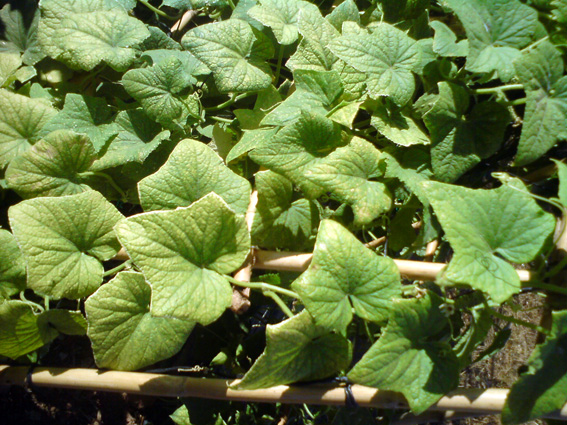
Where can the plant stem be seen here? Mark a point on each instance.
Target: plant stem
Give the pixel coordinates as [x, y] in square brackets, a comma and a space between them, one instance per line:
[279, 65]
[368, 333]
[231, 4]
[117, 268]
[494, 90]
[223, 120]
[516, 102]
[279, 302]
[109, 179]
[157, 11]
[549, 286]
[262, 286]
[233, 99]
[535, 43]
[35, 306]
[517, 321]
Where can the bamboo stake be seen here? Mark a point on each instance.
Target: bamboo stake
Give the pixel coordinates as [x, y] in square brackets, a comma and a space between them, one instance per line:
[471, 400]
[299, 261]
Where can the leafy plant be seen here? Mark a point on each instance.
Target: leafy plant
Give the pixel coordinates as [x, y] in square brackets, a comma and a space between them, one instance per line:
[149, 151]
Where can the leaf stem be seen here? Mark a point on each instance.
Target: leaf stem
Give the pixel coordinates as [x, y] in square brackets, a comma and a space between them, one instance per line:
[38, 308]
[233, 99]
[549, 286]
[157, 11]
[279, 65]
[223, 120]
[535, 43]
[108, 178]
[279, 302]
[519, 322]
[262, 286]
[516, 102]
[231, 4]
[117, 268]
[494, 90]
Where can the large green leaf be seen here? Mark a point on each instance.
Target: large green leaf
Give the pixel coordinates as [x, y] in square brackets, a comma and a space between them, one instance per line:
[541, 71]
[543, 388]
[103, 36]
[496, 30]
[21, 332]
[183, 254]
[65, 321]
[410, 357]
[10, 62]
[387, 56]
[297, 350]
[138, 136]
[309, 153]
[486, 228]
[346, 11]
[280, 221]
[21, 120]
[281, 16]
[12, 266]
[461, 139]
[21, 38]
[397, 125]
[315, 92]
[164, 91]
[234, 52]
[53, 166]
[183, 180]
[445, 41]
[87, 115]
[349, 174]
[64, 240]
[54, 11]
[124, 335]
[344, 276]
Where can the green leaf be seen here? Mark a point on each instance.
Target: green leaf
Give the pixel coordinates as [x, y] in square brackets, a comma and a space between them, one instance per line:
[315, 92]
[295, 148]
[346, 11]
[9, 64]
[65, 321]
[349, 175]
[560, 11]
[486, 228]
[344, 276]
[138, 136]
[445, 41]
[191, 65]
[21, 39]
[183, 254]
[183, 180]
[312, 52]
[402, 10]
[21, 332]
[87, 115]
[387, 56]
[541, 71]
[397, 125]
[543, 388]
[53, 166]
[124, 335]
[496, 30]
[411, 167]
[461, 139]
[64, 240]
[280, 221]
[164, 91]
[281, 16]
[21, 120]
[297, 350]
[234, 52]
[410, 357]
[250, 140]
[12, 266]
[101, 36]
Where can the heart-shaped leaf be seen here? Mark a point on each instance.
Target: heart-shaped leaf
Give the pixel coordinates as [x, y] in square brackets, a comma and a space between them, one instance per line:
[124, 335]
[64, 240]
[345, 275]
[183, 254]
[12, 266]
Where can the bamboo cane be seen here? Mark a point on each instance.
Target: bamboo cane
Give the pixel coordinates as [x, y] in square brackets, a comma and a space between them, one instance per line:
[471, 400]
[299, 261]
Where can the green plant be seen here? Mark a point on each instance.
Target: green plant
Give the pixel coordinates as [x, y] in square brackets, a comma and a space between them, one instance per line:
[351, 122]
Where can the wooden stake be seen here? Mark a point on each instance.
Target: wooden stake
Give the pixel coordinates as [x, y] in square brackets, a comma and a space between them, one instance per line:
[470, 400]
